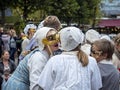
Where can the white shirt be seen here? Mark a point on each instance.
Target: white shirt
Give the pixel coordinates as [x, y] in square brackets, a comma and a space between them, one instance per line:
[25, 43]
[65, 72]
[86, 48]
[36, 64]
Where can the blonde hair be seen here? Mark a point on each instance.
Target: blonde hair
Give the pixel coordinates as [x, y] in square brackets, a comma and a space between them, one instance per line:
[82, 57]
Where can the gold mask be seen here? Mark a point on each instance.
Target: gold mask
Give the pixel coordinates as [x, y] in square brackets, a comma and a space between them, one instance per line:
[51, 40]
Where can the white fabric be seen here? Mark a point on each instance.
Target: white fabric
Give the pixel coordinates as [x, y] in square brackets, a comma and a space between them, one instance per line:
[70, 38]
[106, 61]
[25, 43]
[41, 24]
[28, 26]
[92, 35]
[35, 65]
[86, 48]
[40, 34]
[65, 72]
[105, 37]
[116, 61]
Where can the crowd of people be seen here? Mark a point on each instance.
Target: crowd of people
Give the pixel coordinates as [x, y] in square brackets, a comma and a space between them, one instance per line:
[52, 57]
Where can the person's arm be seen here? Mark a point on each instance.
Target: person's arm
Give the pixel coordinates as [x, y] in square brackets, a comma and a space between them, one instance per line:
[46, 78]
[35, 65]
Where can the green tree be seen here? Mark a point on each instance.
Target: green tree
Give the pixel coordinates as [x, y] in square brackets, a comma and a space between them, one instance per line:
[64, 9]
[28, 7]
[4, 4]
[88, 11]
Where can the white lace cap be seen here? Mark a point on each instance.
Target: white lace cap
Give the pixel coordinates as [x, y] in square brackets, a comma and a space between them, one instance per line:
[92, 35]
[40, 35]
[105, 37]
[41, 24]
[70, 38]
[28, 26]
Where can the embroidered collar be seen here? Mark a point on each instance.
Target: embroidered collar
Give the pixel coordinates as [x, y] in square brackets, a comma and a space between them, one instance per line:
[106, 62]
[70, 53]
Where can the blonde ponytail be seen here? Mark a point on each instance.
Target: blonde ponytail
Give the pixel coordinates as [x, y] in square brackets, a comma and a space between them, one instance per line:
[83, 58]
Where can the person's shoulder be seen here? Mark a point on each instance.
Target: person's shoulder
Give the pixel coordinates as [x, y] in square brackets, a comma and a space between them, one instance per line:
[57, 56]
[92, 59]
[25, 40]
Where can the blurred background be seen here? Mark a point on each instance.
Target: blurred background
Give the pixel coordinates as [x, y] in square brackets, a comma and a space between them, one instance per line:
[101, 15]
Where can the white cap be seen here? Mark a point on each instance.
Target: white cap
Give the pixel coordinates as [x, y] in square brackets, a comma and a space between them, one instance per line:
[70, 38]
[41, 24]
[92, 35]
[28, 26]
[105, 37]
[40, 35]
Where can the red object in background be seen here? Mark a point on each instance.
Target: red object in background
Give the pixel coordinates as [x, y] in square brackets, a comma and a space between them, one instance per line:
[109, 23]
[119, 69]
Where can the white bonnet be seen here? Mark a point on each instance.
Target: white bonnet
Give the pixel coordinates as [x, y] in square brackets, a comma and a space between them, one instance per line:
[92, 35]
[40, 35]
[70, 38]
[105, 37]
[28, 26]
[41, 24]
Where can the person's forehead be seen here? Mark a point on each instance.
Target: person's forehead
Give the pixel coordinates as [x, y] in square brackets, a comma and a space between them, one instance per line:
[51, 32]
[94, 47]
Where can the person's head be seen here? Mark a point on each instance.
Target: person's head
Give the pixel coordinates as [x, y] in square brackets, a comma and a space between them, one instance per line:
[12, 32]
[102, 50]
[92, 35]
[45, 40]
[30, 29]
[117, 42]
[1, 29]
[5, 55]
[70, 40]
[53, 22]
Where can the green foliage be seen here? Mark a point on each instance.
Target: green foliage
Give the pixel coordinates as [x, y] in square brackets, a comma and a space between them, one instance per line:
[28, 6]
[19, 26]
[64, 9]
[68, 11]
[12, 19]
[4, 4]
[88, 11]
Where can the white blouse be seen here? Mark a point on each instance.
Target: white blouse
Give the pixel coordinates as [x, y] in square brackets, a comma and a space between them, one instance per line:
[65, 72]
[36, 64]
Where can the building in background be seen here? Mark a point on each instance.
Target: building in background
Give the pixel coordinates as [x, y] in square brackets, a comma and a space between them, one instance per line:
[110, 8]
[8, 12]
[110, 23]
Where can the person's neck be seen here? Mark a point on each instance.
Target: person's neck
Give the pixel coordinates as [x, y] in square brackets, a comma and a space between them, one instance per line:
[5, 62]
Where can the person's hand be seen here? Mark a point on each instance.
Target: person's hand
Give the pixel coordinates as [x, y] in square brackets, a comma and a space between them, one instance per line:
[24, 53]
[6, 76]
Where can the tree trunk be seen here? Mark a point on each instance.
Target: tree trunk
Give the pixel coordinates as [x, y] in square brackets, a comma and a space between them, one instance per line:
[94, 18]
[2, 17]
